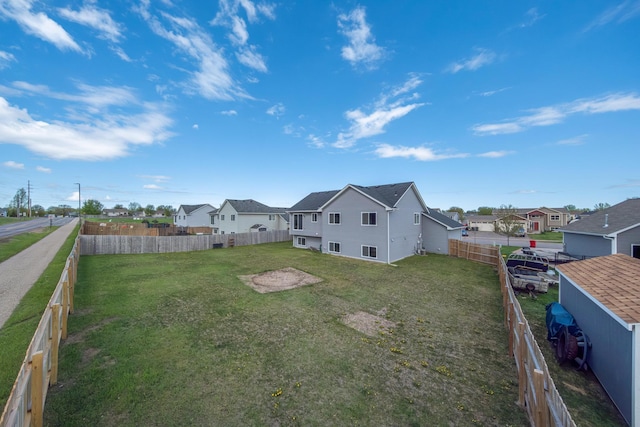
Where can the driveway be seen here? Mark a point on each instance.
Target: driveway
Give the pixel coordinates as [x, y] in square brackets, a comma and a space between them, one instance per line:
[543, 247]
[20, 272]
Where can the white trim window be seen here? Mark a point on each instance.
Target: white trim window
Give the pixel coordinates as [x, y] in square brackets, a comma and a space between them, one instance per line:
[297, 221]
[555, 217]
[233, 217]
[301, 242]
[334, 218]
[222, 217]
[314, 217]
[416, 218]
[369, 251]
[272, 217]
[334, 247]
[369, 218]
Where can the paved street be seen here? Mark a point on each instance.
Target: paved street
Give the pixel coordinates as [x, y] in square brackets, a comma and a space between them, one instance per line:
[543, 248]
[16, 228]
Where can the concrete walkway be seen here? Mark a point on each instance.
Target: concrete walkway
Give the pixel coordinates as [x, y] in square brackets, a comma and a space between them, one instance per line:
[20, 272]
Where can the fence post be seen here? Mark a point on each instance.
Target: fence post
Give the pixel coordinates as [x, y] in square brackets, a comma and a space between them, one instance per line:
[70, 284]
[510, 327]
[36, 389]
[55, 333]
[522, 373]
[65, 307]
[541, 412]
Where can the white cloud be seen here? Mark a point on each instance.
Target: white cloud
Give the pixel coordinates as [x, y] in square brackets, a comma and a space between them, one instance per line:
[38, 24]
[229, 16]
[276, 110]
[13, 165]
[483, 57]
[229, 113]
[5, 58]
[195, 126]
[423, 154]
[107, 136]
[362, 48]
[212, 79]
[151, 187]
[577, 140]
[618, 14]
[156, 178]
[389, 107]
[43, 169]
[550, 115]
[315, 141]
[75, 196]
[98, 19]
[495, 154]
[493, 92]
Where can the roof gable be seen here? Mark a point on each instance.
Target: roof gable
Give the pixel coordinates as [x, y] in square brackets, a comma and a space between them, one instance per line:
[442, 219]
[190, 208]
[613, 280]
[387, 195]
[251, 206]
[313, 201]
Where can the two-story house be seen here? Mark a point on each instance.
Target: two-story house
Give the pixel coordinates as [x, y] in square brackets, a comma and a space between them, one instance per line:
[378, 223]
[193, 215]
[245, 216]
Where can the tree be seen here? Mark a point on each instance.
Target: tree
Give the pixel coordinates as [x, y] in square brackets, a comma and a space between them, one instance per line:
[166, 209]
[19, 201]
[509, 221]
[571, 208]
[601, 206]
[457, 209]
[37, 210]
[92, 207]
[149, 210]
[118, 206]
[65, 210]
[134, 207]
[485, 210]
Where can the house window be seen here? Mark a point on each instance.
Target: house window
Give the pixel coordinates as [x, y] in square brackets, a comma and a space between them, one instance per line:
[369, 218]
[555, 217]
[175, 217]
[221, 217]
[233, 217]
[314, 217]
[272, 217]
[416, 218]
[369, 251]
[297, 221]
[301, 241]
[212, 220]
[334, 247]
[334, 218]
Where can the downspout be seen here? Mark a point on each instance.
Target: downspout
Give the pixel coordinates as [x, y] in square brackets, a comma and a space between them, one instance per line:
[614, 249]
[388, 237]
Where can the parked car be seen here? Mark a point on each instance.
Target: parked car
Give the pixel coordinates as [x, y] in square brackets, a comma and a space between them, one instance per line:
[520, 233]
[465, 233]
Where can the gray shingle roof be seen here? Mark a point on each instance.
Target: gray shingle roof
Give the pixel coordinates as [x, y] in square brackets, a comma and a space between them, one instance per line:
[313, 201]
[443, 219]
[388, 194]
[251, 206]
[618, 217]
[190, 208]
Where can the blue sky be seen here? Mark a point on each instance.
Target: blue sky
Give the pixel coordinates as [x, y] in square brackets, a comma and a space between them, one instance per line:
[185, 102]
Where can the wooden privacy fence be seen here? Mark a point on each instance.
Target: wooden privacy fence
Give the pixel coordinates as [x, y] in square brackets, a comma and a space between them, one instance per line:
[537, 392]
[39, 370]
[111, 245]
[485, 254]
[139, 229]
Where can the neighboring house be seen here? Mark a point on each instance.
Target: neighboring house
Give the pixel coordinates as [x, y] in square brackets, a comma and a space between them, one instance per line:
[193, 216]
[615, 230]
[437, 229]
[378, 223]
[603, 295]
[3, 212]
[245, 216]
[115, 212]
[158, 214]
[482, 222]
[453, 215]
[545, 219]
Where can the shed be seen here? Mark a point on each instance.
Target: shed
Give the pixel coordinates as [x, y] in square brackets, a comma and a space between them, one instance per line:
[603, 295]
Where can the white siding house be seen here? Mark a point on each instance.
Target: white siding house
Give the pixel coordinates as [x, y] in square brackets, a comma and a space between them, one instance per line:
[245, 216]
[193, 216]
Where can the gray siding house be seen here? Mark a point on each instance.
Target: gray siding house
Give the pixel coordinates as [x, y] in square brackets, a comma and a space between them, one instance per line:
[245, 216]
[382, 223]
[603, 295]
[437, 230]
[615, 230]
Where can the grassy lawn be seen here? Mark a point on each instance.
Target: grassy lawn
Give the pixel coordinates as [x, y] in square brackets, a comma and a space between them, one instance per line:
[12, 245]
[18, 330]
[553, 236]
[178, 339]
[10, 220]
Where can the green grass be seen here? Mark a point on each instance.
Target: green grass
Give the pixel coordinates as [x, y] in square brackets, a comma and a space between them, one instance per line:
[178, 339]
[10, 220]
[552, 236]
[582, 393]
[18, 330]
[13, 245]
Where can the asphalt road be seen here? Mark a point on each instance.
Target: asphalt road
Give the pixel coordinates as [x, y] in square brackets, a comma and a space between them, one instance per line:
[16, 228]
[489, 238]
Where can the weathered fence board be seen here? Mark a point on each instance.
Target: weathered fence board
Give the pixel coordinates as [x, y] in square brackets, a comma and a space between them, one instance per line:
[112, 244]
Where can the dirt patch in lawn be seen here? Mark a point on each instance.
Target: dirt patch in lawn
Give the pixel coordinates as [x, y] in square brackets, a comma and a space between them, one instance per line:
[367, 323]
[279, 280]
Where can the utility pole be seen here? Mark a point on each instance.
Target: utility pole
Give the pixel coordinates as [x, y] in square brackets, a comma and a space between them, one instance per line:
[29, 197]
[79, 215]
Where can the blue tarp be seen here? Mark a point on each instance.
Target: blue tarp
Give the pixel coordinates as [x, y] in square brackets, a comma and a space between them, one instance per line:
[557, 317]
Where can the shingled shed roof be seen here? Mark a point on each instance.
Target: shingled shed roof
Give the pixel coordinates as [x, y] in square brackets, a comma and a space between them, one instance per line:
[613, 280]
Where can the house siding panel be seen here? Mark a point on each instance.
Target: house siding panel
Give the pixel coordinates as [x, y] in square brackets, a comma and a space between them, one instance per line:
[626, 239]
[434, 237]
[582, 245]
[611, 351]
[350, 233]
[403, 233]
